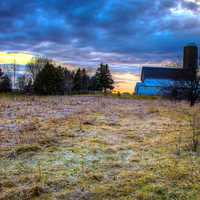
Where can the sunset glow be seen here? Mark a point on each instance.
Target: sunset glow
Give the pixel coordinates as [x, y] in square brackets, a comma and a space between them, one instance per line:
[99, 99]
[125, 82]
[17, 58]
[79, 33]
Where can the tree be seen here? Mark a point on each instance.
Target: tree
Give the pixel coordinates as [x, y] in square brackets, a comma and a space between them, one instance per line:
[69, 78]
[103, 79]
[187, 87]
[25, 84]
[84, 81]
[50, 81]
[94, 84]
[77, 81]
[14, 74]
[36, 65]
[81, 81]
[5, 83]
[1, 73]
[21, 83]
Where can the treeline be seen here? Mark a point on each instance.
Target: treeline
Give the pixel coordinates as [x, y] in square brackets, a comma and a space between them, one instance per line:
[44, 78]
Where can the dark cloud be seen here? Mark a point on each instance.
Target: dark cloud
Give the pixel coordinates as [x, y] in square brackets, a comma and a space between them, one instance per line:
[89, 32]
[191, 5]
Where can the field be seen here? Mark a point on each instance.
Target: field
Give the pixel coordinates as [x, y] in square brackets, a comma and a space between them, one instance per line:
[96, 147]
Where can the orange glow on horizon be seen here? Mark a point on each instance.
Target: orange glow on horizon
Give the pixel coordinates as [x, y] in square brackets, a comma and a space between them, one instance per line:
[124, 82]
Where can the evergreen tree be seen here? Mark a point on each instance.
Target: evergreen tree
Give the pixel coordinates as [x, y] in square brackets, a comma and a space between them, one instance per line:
[77, 81]
[81, 81]
[36, 65]
[60, 80]
[50, 81]
[103, 78]
[1, 73]
[5, 82]
[84, 81]
[94, 84]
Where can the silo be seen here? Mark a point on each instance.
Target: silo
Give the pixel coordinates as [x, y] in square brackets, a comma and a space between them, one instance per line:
[190, 58]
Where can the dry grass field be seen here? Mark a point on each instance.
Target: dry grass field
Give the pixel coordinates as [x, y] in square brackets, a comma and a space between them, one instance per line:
[94, 147]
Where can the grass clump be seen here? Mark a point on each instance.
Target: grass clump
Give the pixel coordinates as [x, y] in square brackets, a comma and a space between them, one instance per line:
[23, 149]
[23, 193]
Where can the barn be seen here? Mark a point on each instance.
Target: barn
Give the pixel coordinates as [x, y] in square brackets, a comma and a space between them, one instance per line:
[155, 80]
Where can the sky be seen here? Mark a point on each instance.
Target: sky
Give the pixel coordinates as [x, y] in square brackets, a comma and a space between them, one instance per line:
[125, 34]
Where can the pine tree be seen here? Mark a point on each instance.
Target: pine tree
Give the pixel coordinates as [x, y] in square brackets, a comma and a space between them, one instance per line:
[1, 73]
[50, 81]
[103, 78]
[84, 81]
[36, 65]
[5, 82]
[60, 80]
[77, 81]
[93, 84]
[81, 81]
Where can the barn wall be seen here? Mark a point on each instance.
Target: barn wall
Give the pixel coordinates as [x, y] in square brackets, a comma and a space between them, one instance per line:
[152, 87]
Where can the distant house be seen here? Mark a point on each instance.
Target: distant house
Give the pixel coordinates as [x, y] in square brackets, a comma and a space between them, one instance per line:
[155, 80]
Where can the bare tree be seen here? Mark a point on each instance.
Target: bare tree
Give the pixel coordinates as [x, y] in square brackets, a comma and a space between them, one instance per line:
[24, 83]
[186, 86]
[14, 74]
[36, 65]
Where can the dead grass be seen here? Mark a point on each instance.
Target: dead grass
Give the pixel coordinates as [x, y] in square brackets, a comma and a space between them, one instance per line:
[94, 147]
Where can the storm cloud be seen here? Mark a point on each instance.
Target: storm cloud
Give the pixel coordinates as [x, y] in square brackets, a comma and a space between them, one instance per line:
[88, 32]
